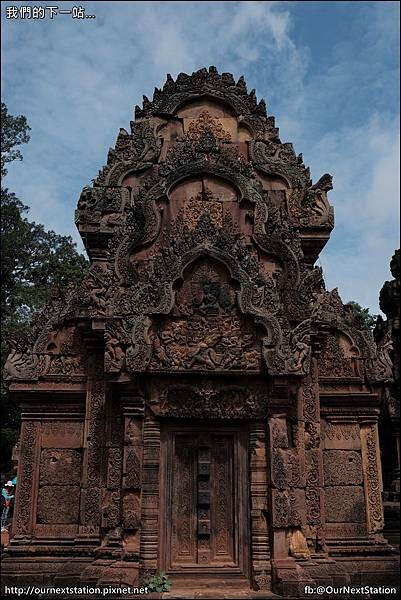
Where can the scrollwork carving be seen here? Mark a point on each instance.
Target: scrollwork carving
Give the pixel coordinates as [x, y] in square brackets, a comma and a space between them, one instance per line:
[208, 401]
[372, 477]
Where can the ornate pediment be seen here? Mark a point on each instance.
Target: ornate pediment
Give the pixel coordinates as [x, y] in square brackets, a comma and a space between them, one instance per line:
[202, 83]
[202, 231]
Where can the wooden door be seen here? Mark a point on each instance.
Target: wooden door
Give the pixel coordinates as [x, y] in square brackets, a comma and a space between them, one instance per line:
[205, 504]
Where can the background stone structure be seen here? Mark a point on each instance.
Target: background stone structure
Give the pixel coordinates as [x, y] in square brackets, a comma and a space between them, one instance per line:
[387, 335]
[200, 404]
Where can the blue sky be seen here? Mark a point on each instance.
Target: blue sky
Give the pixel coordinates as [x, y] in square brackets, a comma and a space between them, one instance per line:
[329, 72]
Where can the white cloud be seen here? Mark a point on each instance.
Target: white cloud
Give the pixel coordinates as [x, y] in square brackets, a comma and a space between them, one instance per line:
[365, 165]
[77, 83]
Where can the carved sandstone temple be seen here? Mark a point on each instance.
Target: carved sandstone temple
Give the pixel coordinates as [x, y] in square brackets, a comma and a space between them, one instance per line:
[200, 404]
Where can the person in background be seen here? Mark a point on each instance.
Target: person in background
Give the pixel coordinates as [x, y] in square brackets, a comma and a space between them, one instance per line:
[3, 502]
[8, 494]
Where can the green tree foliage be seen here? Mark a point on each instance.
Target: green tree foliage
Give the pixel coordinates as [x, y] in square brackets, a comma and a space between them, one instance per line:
[33, 261]
[14, 132]
[365, 318]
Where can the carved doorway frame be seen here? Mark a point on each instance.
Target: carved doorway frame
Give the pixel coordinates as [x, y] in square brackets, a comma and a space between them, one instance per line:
[241, 432]
[253, 416]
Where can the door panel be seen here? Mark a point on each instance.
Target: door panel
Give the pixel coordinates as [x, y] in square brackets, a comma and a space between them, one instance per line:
[205, 500]
[183, 521]
[224, 536]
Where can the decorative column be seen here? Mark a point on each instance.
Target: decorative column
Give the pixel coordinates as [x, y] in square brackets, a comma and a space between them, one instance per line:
[150, 495]
[94, 434]
[111, 511]
[372, 477]
[122, 516]
[259, 506]
[288, 510]
[28, 475]
[133, 415]
[314, 490]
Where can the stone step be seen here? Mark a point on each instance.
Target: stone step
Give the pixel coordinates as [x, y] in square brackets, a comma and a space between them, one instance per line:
[217, 593]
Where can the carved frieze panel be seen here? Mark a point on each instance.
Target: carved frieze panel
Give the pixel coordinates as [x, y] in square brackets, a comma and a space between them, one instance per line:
[62, 434]
[208, 400]
[103, 199]
[27, 366]
[132, 468]
[345, 530]
[115, 456]
[111, 511]
[56, 531]
[206, 344]
[341, 436]
[342, 467]
[286, 470]
[64, 367]
[59, 340]
[205, 291]
[197, 206]
[131, 511]
[333, 362]
[60, 467]
[58, 504]
[288, 508]
[56, 348]
[345, 504]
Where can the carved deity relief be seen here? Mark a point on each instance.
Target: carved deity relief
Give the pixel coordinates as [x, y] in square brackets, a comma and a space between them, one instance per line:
[206, 331]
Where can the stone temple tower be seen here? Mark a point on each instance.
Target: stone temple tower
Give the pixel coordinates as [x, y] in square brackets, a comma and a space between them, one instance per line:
[200, 404]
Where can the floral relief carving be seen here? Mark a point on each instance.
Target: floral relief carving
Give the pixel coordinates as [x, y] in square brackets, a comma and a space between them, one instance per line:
[372, 477]
[206, 123]
[207, 400]
[333, 362]
[29, 441]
